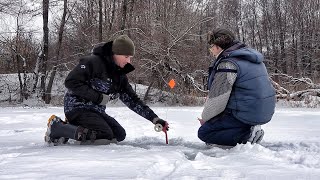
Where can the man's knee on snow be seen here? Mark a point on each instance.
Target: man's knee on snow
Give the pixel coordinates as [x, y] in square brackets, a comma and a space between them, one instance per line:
[202, 134]
[207, 135]
[105, 135]
[121, 135]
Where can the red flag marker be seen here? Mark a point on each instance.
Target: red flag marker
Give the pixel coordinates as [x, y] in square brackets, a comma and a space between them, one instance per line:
[172, 83]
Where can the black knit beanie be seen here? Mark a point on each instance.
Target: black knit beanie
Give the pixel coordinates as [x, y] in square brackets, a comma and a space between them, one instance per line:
[123, 45]
[223, 38]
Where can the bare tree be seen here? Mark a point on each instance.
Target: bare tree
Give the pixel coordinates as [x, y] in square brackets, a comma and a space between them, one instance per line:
[124, 14]
[58, 51]
[170, 39]
[112, 15]
[100, 20]
[18, 47]
[45, 51]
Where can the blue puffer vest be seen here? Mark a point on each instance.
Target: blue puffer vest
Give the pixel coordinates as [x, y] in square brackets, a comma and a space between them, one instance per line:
[252, 100]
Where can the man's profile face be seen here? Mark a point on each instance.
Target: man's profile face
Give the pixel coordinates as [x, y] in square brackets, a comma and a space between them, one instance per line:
[215, 50]
[122, 60]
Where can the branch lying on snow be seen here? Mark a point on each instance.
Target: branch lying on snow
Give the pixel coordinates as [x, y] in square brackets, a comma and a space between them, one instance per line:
[299, 95]
[293, 81]
[283, 93]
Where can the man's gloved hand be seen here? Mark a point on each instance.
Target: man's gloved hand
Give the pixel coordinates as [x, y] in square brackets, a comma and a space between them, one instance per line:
[157, 121]
[105, 99]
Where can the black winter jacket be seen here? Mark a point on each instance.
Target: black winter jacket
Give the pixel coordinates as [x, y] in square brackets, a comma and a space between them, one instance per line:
[95, 75]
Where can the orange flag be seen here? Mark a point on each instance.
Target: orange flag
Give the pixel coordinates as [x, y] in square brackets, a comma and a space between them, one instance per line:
[172, 83]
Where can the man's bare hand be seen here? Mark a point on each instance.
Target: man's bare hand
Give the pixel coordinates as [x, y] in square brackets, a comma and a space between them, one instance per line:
[201, 121]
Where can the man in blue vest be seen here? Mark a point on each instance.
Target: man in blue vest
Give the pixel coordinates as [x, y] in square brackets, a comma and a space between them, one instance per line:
[241, 97]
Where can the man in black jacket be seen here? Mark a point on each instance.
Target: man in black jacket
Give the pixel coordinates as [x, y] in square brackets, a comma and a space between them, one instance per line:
[97, 79]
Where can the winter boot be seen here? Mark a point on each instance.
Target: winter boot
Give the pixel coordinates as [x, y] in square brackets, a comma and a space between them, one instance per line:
[256, 134]
[59, 132]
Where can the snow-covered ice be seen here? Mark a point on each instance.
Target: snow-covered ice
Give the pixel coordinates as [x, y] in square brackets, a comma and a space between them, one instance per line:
[289, 150]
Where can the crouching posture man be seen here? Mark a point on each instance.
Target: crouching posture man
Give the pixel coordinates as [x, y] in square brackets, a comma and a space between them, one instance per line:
[241, 96]
[97, 79]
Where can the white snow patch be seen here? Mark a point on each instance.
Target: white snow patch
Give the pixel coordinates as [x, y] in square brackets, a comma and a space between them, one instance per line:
[289, 150]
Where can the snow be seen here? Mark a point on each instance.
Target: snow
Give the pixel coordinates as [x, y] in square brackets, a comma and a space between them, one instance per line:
[289, 150]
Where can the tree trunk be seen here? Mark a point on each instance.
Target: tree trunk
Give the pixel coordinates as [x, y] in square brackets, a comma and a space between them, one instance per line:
[100, 21]
[112, 15]
[36, 73]
[43, 66]
[16, 51]
[131, 16]
[54, 69]
[124, 14]
[19, 77]
[145, 98]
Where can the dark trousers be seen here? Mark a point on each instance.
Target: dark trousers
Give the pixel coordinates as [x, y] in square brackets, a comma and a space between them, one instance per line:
[225, 130]
[105, 126]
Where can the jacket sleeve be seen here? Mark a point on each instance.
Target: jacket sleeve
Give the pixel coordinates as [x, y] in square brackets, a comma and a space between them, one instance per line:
[78, 81]
[130, 99]
[220, 90]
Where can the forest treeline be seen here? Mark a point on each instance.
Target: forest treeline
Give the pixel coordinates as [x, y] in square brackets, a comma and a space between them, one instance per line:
[170, 38]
